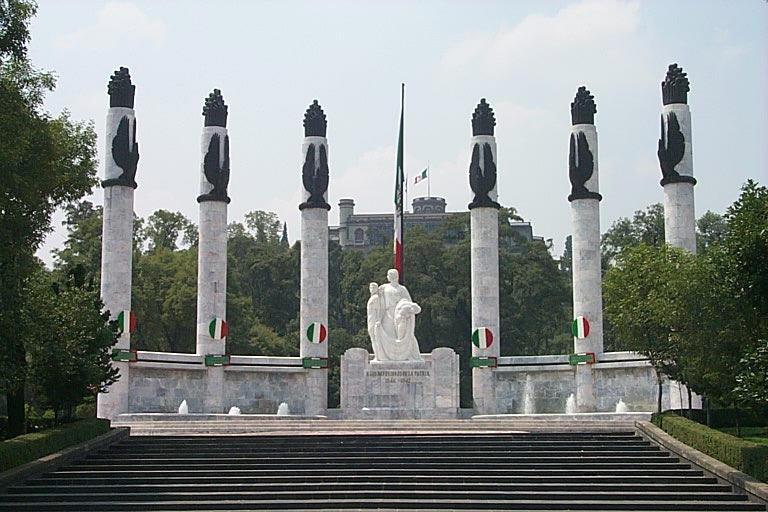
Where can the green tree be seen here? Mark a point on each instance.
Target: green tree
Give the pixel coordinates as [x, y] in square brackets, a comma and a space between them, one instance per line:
[45, 162]
[164, 229]
[646, 227]
[68, 340]
[711, 229]
[82, 248]
[644, 300]
[263, 226]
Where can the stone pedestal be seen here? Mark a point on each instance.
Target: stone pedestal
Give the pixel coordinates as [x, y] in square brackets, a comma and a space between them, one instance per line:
[400, 390]
[211, 274]
[484, 226]
[116, 269]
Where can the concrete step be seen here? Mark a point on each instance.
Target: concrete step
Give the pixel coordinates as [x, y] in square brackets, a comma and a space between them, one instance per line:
[596, 471]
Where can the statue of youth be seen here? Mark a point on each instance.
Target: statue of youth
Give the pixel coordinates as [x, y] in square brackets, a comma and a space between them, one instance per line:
[392, 321]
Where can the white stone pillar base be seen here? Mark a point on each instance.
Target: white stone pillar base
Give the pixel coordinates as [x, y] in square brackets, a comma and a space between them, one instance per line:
[213, 402]
[116, 278]
[314, 279]
[211, 274]
[587, 293]
[485, 302]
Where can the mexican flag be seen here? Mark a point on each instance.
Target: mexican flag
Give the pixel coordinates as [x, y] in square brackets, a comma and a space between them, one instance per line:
[218, 329]
[580, 327]
[482, 337]
[126, 322]
[399, 180]
[420, 177]
[316, 332]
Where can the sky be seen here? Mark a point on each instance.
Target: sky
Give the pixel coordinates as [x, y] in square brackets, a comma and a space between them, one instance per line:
[271, 59]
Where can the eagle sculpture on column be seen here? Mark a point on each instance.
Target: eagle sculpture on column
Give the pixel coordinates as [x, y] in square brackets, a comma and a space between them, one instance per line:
[217, 174]
[125, 155]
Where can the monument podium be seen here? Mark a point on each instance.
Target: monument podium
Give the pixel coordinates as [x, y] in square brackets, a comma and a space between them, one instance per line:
[423, 389]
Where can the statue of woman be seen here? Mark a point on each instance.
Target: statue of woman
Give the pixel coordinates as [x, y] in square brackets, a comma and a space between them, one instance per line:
[393, 336]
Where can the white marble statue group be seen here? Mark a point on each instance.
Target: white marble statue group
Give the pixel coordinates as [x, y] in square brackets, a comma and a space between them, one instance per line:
[392, 321]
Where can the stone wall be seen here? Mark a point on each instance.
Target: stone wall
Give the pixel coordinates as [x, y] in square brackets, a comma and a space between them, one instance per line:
[549, 380]
[257, 385]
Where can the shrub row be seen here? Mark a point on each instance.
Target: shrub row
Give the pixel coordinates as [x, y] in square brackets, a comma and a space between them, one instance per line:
[727, 417]
[748, 457]
[28, 447]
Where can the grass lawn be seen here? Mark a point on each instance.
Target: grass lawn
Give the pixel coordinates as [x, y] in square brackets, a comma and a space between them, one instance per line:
[755, 434]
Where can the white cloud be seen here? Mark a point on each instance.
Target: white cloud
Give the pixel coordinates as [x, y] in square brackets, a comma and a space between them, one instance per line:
[589, 25]
[116, 22]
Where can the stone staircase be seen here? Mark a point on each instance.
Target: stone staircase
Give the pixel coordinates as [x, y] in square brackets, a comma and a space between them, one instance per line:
[597, 471]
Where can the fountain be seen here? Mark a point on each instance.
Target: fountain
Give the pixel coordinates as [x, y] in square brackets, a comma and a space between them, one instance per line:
[570, 404]
[621, 406]
[528, 407]
[283, 410]
[234, 411]
[183, 408]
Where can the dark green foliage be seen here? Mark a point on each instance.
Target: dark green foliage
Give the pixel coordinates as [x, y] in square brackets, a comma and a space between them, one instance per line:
[26, 448]
[748, 457]
[68, 340]
[45, 163]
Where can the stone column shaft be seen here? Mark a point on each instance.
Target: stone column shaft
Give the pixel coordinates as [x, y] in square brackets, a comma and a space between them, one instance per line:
[313, 307]
[484, 248]
[117, 229]
[583, 170]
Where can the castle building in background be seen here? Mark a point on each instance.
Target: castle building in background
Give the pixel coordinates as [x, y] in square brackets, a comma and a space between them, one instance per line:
[365, 231]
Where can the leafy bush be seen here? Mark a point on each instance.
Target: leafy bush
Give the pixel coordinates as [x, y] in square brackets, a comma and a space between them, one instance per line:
[743, 455]
[728, 417]
[22, 449]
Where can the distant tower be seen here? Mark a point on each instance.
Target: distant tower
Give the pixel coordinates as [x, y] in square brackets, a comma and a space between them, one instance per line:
[346, 210]
[676, 161]
[120, 163]
[313, 314]
[484, 222]
[585, 212]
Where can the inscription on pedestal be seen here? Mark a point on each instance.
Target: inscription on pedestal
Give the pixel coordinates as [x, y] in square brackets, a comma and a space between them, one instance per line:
[398, 376]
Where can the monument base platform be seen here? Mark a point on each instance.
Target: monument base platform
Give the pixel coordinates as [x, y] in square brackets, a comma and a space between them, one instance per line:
[427, 389]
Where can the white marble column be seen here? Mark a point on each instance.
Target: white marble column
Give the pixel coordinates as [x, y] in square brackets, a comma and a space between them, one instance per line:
[585, 213]
[676, 151]
[212, 246]
[484, 226]
[117, 229]
[313, 314]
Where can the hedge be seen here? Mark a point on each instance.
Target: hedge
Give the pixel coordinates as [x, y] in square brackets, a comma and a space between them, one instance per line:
[28, 447]
[727, 417]
[750, 458]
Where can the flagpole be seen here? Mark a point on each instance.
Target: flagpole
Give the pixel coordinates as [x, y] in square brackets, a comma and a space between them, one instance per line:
[399, 232]
[429, 183]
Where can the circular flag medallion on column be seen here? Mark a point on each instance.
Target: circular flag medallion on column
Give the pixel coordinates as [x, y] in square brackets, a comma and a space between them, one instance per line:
[482, 337]
[316, 332]
[218, 329]
[126, 322]
[580, 327]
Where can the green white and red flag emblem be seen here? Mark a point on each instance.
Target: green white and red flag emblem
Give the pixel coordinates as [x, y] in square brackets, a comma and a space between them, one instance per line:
[316, 332]
[126, 321]
[218, 329]
[482, 337]
[580, 327]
